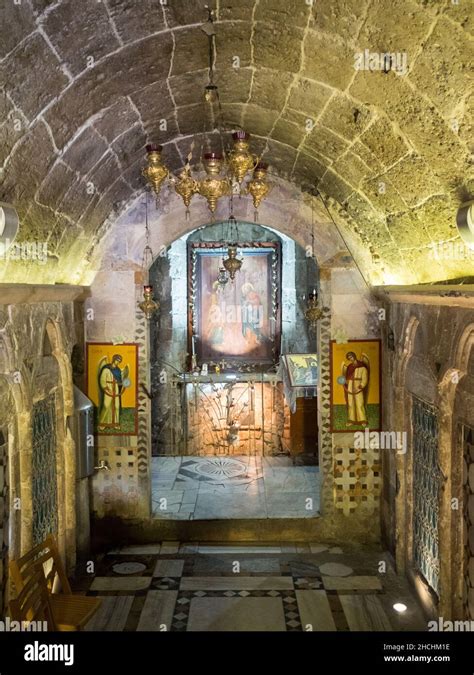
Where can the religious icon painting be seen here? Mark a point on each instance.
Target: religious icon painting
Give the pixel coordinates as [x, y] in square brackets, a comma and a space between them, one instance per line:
[235, 321]
[302, 369]
[112, 386]
[356, 397]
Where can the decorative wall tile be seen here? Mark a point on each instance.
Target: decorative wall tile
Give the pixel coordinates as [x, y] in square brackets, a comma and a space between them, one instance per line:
[357, 479]
[141, 331]
[325, 437]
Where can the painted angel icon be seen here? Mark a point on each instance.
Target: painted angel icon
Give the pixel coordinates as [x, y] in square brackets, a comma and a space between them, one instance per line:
[112, 382]
[355, 380]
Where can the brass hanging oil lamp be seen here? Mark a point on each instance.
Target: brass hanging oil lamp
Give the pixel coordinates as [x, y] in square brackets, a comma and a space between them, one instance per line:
[222, 277]
[148, 305]
[221, 176]
[156, 172]
[186, 187]
[240, 160]
[214, 186]
[258, 186]
[313, 311]
[232, 264]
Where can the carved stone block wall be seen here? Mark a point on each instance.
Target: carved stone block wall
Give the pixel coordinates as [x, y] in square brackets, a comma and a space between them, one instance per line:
[36, 341]
[432, 360]
[245, 418]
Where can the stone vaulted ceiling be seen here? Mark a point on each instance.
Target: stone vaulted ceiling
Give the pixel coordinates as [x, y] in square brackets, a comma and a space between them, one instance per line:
[86, 84]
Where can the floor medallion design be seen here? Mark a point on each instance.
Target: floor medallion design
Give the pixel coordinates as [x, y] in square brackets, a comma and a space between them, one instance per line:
[218, 470]
[129, 568]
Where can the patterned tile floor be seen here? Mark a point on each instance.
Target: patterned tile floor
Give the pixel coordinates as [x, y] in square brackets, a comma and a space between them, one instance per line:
[213, 487]
[281, 587]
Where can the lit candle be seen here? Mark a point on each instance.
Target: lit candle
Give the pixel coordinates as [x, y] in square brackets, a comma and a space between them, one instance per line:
[148, 289]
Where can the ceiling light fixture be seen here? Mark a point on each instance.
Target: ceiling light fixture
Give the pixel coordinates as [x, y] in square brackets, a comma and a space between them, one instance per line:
[215, 185]
[148, 305]
[400, 607]
[313, 312]
[232, 264]
[9, 224]
[223, 169]
[258, 186]
[465, 223]
[155, 172]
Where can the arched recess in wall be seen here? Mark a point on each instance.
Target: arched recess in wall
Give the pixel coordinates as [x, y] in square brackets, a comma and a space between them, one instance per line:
[174, 289]
[421, 512]
[458, 392]
[286, 211]
[403, 414]
[408, 345]
[53, 403]
[6, 441]
[169, 342]
[15, 436]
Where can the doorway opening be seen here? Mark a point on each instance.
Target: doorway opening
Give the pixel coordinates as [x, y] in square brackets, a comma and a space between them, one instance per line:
[228, 439]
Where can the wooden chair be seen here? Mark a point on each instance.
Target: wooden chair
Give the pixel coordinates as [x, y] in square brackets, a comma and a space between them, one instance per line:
[32, 602]
[71, 612]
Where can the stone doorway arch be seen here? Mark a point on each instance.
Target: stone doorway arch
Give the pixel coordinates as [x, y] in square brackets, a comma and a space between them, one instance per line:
[459, 401]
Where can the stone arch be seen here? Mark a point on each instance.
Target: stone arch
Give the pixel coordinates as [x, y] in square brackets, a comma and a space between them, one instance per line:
[66, 460]
[16, 431]
[403, 415]
[406, 349]
[286, 210]
[7, 424]
[107, 112]
[301, 238]
[442, 394]
[464, 346]
[458, 412]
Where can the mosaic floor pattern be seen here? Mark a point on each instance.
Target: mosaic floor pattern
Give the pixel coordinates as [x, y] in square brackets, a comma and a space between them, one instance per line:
[210, 488]
[281, 587]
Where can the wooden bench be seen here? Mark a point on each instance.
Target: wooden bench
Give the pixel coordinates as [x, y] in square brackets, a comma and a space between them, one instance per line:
[70, 612]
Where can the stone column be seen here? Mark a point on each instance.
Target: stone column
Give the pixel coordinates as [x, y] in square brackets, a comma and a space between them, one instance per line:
[25, 491]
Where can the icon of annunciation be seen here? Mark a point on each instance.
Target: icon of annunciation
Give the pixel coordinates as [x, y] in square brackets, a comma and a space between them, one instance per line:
[238, 322]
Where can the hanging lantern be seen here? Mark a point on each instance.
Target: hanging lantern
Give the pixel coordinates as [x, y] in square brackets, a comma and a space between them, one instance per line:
[240, 159]
[148, 305]
[156, 172]
[214, 186]
[222, 277]
[232, 264]
[313, 311]
[211, 93]
[258, 186]
[186, 187]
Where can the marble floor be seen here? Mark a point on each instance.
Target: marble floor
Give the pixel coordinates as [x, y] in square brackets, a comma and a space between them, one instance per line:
[213, 487]
[281, 587]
